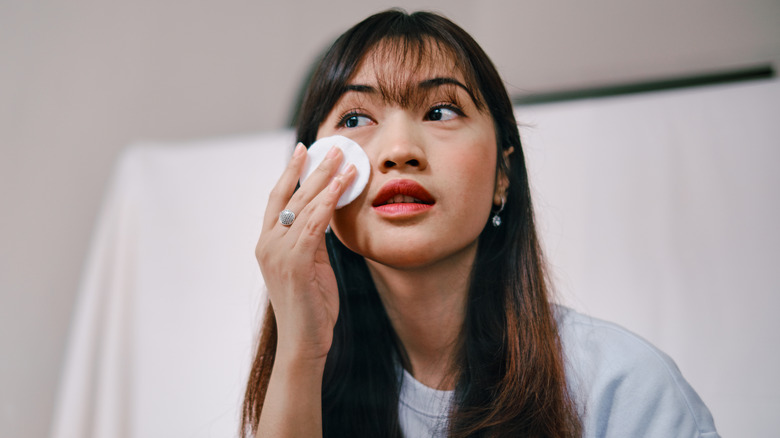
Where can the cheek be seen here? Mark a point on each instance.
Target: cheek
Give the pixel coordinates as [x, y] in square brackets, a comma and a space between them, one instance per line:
[345, 222]
[475, 174]
[345, 217]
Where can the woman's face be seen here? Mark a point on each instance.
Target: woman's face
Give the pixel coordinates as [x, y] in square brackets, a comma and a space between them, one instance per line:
[433, 159]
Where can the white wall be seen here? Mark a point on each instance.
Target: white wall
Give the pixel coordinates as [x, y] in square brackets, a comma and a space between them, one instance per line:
[82, 79]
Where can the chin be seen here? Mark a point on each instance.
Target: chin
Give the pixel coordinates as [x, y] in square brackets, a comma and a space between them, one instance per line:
[398, 255]
[411, 247]
[403, 259]
[414, 254]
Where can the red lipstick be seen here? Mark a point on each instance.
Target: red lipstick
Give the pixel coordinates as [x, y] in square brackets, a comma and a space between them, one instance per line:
[401, 198]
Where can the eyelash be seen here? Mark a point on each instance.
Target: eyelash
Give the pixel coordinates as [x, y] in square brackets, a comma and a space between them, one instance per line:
[356, 112]
[446, 105]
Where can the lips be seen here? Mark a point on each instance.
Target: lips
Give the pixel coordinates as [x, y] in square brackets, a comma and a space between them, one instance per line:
[403, 191]
[402, 198]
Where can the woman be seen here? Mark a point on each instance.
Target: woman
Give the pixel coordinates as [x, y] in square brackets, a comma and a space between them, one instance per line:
[424, 310]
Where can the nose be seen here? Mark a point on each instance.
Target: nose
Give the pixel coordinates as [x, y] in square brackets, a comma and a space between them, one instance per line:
[401, 146]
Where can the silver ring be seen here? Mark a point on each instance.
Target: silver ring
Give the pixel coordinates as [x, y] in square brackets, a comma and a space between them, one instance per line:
[286, 217]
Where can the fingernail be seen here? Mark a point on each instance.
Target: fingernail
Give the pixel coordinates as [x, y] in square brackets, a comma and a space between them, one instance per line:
[349, 169]
[299, 150]
[332, 152]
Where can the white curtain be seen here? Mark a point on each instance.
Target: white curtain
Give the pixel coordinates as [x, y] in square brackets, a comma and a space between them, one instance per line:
[168, 309]
[661, 212]
[658, 211]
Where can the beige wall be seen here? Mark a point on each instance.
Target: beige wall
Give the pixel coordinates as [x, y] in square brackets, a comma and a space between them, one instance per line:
[80, 80]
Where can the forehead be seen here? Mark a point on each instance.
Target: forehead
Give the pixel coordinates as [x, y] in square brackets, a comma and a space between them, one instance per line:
[403, 60]
[395, 68]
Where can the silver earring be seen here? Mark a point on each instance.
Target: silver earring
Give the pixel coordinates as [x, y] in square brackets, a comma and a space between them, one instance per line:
[496, 218]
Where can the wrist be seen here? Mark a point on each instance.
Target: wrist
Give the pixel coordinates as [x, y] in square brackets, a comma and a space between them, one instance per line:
[299, 362]
[302, 349]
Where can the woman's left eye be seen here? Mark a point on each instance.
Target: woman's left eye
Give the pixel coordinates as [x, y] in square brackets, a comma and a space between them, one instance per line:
[443, 113]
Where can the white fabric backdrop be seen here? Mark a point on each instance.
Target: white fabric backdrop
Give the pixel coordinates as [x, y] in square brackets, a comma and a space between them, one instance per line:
[658, 211]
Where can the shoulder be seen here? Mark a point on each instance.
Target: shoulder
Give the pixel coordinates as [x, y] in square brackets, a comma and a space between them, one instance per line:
[624, 386]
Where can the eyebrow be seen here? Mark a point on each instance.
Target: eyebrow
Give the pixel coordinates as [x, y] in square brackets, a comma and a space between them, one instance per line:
[437, 82]
[425, 85]
[359, 88]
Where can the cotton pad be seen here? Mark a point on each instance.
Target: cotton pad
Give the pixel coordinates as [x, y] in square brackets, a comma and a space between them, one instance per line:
[353, 153]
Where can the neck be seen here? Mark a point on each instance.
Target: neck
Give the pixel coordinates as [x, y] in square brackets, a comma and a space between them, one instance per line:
[426, 306]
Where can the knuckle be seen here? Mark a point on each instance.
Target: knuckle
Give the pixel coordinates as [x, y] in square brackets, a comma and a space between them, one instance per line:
[301, 195]
[311, 229]
[262, 257]
[325, 168]
[276, 192]
[264, 252]
[331, 198]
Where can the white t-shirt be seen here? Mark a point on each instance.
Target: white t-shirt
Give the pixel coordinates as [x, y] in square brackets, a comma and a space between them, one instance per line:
[623, 386]
[422, 411]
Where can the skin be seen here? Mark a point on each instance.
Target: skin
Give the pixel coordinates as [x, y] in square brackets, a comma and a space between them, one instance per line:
[420, 262]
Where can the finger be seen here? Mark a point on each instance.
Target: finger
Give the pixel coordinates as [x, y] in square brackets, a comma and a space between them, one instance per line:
[318, 213]
[317, 181]
[283, 190]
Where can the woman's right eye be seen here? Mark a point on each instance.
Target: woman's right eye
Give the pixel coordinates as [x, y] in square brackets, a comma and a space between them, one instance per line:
[354, 121]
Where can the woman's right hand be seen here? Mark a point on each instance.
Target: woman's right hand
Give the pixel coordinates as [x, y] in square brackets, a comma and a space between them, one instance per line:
[294, 260]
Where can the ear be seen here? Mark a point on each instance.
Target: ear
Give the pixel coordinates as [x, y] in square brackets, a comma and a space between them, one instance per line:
[502, 181]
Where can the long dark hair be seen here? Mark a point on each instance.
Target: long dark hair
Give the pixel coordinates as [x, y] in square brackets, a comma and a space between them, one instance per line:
[510, 367]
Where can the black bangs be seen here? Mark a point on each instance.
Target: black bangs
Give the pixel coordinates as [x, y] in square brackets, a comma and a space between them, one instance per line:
[413, 43]
[408, 67]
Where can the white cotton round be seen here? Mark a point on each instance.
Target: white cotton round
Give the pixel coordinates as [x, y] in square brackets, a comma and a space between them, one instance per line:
[353, 153]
